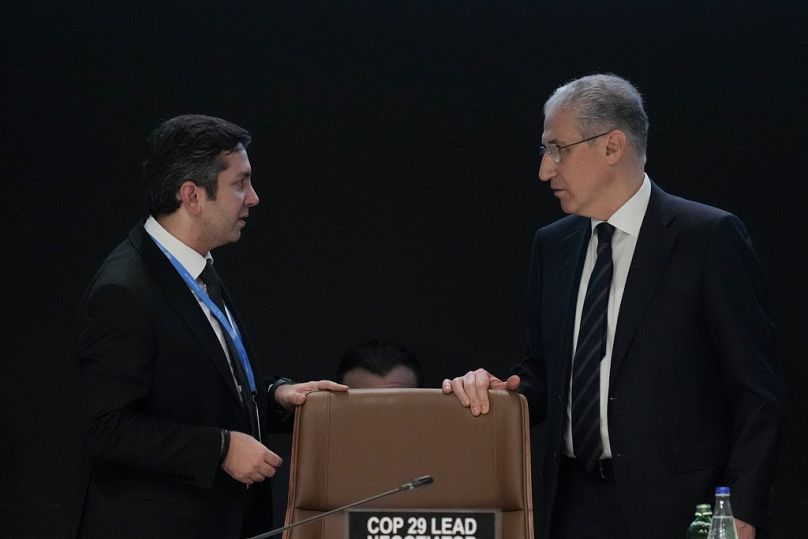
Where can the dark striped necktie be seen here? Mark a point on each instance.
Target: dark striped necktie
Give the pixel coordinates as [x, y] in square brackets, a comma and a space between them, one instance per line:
[588, 353]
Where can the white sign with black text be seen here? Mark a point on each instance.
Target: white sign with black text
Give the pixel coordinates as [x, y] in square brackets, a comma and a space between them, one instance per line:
[424, 524]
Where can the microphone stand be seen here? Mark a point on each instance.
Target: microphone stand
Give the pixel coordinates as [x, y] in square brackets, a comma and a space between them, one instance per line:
[415, 483]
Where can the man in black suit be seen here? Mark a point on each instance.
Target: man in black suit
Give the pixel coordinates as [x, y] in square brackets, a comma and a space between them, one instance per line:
[175, 411]
[685, 392]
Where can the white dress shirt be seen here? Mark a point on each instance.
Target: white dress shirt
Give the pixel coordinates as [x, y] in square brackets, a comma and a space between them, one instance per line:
[194, 263]
[627, 221]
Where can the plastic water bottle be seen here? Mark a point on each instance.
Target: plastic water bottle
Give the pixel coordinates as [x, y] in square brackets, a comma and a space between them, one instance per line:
[722, 525]
[700, 527]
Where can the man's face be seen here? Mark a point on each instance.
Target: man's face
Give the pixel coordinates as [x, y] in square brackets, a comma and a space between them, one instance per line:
[578, 180]
[399, 376]
[225, 216]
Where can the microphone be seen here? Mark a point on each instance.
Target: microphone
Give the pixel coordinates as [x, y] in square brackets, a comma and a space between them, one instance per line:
[415, 483]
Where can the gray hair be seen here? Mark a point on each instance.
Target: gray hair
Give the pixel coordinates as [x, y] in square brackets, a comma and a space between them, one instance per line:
[604, 101]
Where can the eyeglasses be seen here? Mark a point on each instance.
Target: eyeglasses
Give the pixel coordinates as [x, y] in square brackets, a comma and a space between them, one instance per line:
[553, 151]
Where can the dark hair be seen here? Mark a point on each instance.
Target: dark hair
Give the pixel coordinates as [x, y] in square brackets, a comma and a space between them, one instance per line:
[379, 358]
[188, 147]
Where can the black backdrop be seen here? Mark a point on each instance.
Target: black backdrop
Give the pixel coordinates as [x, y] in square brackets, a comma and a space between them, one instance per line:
[395, 154]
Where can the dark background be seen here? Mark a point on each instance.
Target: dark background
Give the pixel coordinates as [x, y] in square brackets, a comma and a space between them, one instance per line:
[395, 154]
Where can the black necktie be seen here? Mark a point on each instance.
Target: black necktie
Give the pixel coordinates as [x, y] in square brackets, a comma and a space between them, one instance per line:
[588, 354]
[213, 284]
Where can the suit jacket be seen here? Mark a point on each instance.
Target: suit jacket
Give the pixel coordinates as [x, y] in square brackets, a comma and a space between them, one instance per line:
[156, 390]
[695, 390]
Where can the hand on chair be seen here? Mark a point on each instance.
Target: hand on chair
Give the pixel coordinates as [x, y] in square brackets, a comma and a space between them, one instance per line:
[472, 389]
[291, 395]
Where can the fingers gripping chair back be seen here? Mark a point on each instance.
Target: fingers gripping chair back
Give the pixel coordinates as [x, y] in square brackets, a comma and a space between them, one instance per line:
[349, 446]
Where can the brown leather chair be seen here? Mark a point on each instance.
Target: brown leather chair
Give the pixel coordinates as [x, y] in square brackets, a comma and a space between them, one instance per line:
[349, 446]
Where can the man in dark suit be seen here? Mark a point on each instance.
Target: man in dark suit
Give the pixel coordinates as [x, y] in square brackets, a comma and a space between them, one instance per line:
[175, 411]
[685, 392]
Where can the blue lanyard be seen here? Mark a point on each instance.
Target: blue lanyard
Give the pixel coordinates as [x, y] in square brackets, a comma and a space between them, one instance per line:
[231, 328]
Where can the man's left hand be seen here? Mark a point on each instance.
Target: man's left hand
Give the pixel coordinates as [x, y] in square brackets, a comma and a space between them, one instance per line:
[291, 395]
[745, 530]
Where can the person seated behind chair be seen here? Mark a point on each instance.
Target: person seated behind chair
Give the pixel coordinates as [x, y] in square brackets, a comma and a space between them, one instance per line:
[378, 365]
[372, 364]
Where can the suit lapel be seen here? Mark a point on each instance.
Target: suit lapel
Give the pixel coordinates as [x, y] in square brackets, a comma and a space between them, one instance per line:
[571, 268]
[651, 256]
[184, 303]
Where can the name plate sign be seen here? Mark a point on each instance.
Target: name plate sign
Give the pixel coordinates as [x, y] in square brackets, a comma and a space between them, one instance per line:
[424, 524]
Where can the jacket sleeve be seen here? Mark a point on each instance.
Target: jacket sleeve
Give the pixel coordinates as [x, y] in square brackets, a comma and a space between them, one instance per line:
[531, 369]
[742, 332]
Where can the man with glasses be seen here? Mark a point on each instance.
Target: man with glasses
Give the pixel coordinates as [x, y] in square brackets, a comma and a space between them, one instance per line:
[650, 344]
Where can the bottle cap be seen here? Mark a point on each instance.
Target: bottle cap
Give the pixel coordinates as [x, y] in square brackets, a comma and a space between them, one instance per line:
[722, 490]
[704, 508]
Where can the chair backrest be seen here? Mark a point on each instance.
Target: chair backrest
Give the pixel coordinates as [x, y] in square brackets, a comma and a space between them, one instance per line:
[349, 446]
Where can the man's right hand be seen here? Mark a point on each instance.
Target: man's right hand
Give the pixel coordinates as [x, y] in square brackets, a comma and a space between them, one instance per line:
[472, 389]
[248, 460]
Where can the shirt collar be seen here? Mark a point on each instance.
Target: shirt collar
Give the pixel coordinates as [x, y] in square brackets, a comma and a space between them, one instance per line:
[192, 261]
[628, 218]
